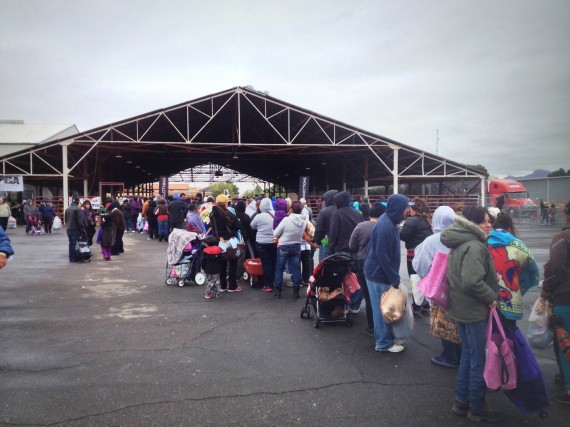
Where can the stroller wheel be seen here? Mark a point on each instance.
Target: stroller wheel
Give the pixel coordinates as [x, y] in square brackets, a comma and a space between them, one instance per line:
[308, 311]
[316, 322]
[245, 276]
[181, 282]
[170, 281]
[200, 278]
[250, 281]
[303, 311]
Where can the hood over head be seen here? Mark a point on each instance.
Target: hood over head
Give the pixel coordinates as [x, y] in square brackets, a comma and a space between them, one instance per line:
[396, 207]
[341, 199]
[240, 206]
[266, 205]
[281, 205]
[442, 218]
[328, 197]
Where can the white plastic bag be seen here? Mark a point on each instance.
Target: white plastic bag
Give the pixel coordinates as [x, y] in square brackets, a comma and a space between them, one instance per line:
[11, 222]
[539, 335]
[402, 329]
[56, 223]
[139, 222]
[418, 295]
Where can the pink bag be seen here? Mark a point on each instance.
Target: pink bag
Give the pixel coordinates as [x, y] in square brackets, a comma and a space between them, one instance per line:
[500, 372]
[435, 285]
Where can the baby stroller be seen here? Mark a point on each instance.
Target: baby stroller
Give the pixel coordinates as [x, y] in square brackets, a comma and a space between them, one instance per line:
[326, 291]
[183, 259]
[35, 226]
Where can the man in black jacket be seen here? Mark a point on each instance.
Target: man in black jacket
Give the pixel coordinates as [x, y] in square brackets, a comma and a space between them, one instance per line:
[177, 212]
[75, 223]
[324, 222]
[343, 222]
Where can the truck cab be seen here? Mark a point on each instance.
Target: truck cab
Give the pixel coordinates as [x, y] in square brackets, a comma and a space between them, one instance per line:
[514, 194]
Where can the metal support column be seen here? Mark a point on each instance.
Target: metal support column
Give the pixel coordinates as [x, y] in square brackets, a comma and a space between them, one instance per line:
[483, 192]
[65, 171]
[395, 171]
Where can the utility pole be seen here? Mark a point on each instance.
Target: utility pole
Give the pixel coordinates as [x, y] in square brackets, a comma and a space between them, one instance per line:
[437, 142]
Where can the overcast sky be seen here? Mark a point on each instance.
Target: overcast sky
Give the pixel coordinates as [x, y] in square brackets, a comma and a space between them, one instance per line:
[492, 76]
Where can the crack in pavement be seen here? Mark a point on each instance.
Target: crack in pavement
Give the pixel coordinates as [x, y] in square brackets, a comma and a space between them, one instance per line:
[233, 396]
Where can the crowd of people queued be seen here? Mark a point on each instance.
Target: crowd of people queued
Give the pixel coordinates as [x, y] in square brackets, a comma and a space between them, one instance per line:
[489, 267]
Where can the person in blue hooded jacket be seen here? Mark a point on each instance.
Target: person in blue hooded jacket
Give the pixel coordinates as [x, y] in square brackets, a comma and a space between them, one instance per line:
[516, 268]
[6, 250]
[382, 267]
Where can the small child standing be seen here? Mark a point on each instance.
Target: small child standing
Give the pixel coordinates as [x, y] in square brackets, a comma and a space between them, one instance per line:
[211, 257]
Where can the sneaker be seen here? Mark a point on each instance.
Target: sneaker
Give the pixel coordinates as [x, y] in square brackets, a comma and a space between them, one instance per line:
[460, 408]
[484, 414]
[368, 331]
[223, 290]
[394, 349]
[564, 399]
[440, 361]
[208, 296]
[267, 289]
[354, 310]
[238, 289]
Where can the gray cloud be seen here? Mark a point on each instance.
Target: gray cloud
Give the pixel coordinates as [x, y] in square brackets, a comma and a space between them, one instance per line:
[493, 77]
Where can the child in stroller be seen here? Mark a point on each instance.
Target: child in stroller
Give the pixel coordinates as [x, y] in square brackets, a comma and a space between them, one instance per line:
[183, 258]
[329, 290]
[35, 226]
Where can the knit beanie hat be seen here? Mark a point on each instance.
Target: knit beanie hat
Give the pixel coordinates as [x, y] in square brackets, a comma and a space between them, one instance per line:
[222, 199]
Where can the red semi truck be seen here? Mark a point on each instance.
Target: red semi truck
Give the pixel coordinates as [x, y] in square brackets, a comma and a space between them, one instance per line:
[515, 196]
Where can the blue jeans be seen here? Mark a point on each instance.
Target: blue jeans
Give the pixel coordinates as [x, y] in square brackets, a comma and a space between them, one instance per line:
[451, 352]
[163, 229]
[470, 383]
[324, 252]
[382, 332]
[290, 255]
[268, 254]
[73, 236]
[128, 223]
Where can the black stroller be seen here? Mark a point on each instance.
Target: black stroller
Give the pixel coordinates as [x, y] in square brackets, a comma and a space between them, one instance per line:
[326, 293]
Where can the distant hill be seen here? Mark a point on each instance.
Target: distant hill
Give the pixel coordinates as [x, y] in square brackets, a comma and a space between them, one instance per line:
[539, 173]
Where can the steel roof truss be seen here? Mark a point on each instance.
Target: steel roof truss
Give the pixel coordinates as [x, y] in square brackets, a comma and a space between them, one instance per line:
[214, 114]
[51, 166]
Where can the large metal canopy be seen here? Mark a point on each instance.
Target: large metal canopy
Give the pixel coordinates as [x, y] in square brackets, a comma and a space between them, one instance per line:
[241, 129]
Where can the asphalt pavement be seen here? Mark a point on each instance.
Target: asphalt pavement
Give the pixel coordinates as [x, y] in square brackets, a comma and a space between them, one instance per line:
[109, 344]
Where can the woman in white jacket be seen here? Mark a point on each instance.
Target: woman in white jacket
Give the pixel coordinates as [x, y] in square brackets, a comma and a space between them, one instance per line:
[443, 217]
[289, 232]
[265, 247]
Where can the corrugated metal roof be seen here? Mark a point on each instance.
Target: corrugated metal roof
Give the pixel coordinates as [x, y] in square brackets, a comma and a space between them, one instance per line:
[22, 133]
